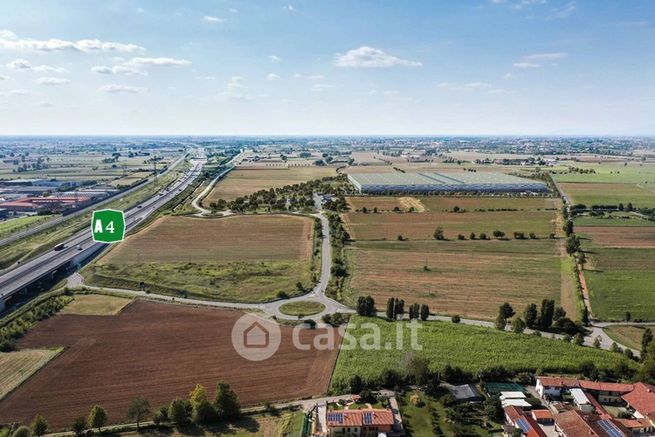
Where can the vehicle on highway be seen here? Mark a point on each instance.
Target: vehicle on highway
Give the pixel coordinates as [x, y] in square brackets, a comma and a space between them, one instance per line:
[60, 246]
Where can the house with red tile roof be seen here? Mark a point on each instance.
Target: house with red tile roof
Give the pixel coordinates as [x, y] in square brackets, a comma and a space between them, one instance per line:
[604, 392]
[519, 419]
[642, 401]
[359, 423]
[575, 423]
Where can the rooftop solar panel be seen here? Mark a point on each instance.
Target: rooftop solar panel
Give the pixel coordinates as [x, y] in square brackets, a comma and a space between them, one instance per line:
[523, 424]
[611, 429]
[368, 418]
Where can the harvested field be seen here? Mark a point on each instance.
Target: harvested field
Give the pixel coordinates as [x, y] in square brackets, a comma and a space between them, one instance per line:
[469, 278]
[159, 351]
[628, 335]
[619, 236]
[238, 258]
[244, 182]
[446, 203]
[416, 226]
[95, 305]
[609, 194]
[16, 367]
[234, 238]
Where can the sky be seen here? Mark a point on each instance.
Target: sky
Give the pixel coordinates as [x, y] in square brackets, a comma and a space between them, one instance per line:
[327, 67]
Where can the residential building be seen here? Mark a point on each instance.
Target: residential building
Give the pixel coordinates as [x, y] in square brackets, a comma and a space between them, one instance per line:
[575, 423]
[642, 401]
[360, 423]
[517, 418]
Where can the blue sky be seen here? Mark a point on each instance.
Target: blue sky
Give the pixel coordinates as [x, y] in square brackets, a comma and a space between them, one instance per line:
[552, 67]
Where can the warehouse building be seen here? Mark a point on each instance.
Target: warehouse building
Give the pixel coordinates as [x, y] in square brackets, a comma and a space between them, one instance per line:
[444, 183]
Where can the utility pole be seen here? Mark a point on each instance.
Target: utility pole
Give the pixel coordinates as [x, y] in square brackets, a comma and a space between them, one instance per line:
[154, 166]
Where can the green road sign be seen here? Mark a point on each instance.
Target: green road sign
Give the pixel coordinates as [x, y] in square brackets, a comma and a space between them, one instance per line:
[108, 226]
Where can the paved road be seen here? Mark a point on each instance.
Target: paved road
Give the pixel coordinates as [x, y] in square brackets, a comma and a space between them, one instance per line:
[81, 244]
[54, 222]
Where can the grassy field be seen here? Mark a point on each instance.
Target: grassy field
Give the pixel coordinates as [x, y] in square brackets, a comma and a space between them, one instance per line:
[468, 347]
[8, 227]
[469, 278]
[95, 305]
[610, 194]
[627, 335]
[286, 424]
[422, 226]
[131, 179]
[620, 280]
[613, 219]
[243, 182]
[446, 203]
[306, 308]
[238, 258]
[608, 173]
[16, 367]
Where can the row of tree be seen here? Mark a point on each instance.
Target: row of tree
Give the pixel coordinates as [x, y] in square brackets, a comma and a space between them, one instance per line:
[546, 318]
[396, 310]
[197, 409]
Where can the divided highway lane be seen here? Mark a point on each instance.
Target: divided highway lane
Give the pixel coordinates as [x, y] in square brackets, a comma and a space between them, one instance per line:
[81, 245]
[54, 222]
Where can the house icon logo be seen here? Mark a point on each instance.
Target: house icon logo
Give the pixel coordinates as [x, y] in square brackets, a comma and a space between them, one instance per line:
[255, 338]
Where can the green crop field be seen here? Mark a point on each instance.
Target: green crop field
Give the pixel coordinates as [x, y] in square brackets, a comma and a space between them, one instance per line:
[633, 173]
[468, 347]
[620, 280]
[589, 194]
[613, 219]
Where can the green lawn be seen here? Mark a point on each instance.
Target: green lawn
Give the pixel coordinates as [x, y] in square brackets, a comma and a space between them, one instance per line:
[422, 420]
[306, 308]
[621, 280]
[628, 335]
[611, 173]
[468, 347]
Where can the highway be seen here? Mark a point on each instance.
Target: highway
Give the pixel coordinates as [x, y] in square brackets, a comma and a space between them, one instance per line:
[54, 222]
[81, 245]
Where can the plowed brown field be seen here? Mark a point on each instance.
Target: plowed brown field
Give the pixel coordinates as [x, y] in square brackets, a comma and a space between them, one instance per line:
[620, 236]
[159, 351]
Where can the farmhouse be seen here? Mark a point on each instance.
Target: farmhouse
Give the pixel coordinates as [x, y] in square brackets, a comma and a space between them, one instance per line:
[518, 419]
[604, 392]
[642, 400]
[360, 423]
[443, 183]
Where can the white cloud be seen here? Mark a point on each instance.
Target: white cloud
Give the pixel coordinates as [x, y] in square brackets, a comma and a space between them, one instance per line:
[369, 57]
[3, 77]
[526, 65]
[274, 58]
[470, 86]
[563, 12]
[297, 76]
[272, 77]
[117, 69]
[233, 10]
[16, 92]
[10, 41]
[159, 62]
[289, 8]
[544, 57]
[322, 86]
[45, 104]
[52, 81]
[22, 64]
[508, 76]
[211, 19]
[236, 82]
[316, 77]
[497, 91]
[124, 89]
